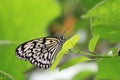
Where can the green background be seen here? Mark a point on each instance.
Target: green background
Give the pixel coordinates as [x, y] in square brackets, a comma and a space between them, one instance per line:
[23, 20]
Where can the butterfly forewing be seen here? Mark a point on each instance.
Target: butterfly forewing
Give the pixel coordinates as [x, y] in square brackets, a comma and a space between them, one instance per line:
[40, 52]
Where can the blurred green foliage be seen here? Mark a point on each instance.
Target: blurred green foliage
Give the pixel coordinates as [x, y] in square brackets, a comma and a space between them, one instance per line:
[5, 76]
[108, 69]
[22, 20]
[106, 24]
[105, 21]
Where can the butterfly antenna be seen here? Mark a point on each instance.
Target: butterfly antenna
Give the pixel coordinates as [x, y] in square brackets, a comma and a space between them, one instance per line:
[66, 29]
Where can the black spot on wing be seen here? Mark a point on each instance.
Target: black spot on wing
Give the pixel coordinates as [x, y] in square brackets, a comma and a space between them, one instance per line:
[44, 40]
[34, 43]
[35, 52]
[39, 64]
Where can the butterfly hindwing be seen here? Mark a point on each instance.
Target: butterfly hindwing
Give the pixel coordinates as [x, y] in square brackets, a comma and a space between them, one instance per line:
[40, 52]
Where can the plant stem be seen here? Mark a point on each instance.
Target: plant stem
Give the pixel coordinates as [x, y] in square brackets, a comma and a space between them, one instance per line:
[92, 55]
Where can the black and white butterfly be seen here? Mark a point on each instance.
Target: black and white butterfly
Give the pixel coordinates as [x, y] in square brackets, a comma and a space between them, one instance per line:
[41, 52]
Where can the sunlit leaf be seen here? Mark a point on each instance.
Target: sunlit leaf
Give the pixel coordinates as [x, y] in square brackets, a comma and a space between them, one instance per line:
[67, 45]
[93, 42]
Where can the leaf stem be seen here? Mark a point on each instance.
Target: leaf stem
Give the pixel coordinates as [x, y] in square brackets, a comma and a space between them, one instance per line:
[91, 55]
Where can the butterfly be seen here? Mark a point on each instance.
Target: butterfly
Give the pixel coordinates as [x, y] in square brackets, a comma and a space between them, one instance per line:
[41, 52]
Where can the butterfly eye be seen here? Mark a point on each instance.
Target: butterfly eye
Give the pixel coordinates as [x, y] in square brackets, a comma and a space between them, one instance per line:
[51, 41]
[51, 52]
[38, 45]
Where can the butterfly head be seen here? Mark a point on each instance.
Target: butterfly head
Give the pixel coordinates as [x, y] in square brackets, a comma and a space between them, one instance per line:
[60, 37]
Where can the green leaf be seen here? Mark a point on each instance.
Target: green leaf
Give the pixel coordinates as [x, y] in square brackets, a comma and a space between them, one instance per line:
[109, 32]
[67, 45]
[105, 21]
[5, 76]
[92, 43]
[89, 4]
[109, 69]
[73, 62]
[115, 51]
[112, 52]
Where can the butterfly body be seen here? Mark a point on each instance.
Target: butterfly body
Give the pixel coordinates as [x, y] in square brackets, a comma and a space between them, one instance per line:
[40, 52]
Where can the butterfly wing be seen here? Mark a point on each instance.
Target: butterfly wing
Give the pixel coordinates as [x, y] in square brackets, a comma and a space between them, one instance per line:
[40, 52]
